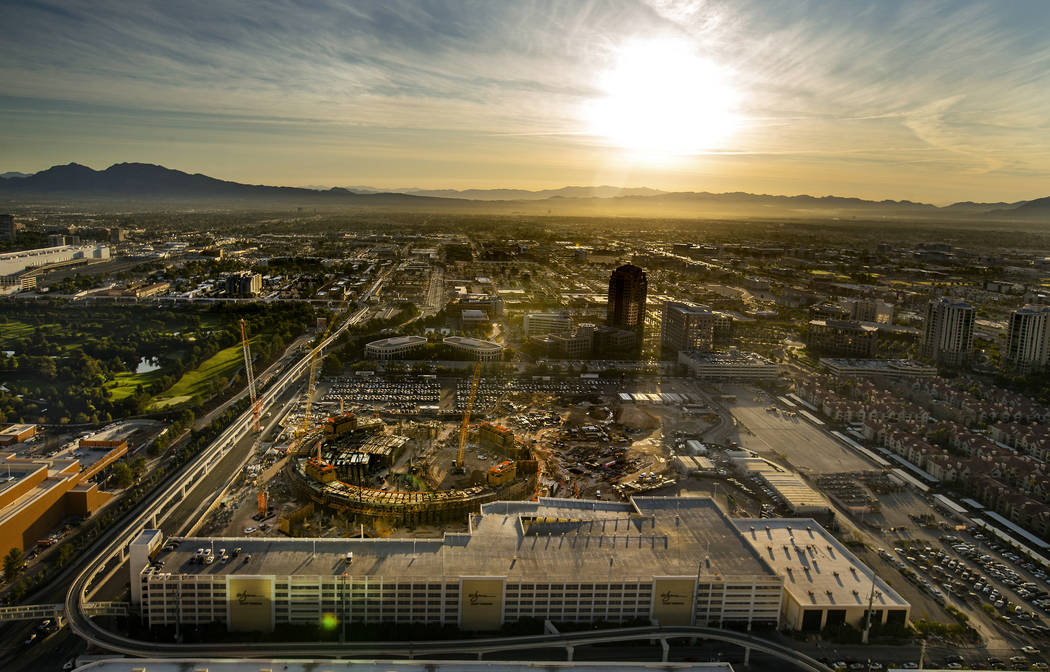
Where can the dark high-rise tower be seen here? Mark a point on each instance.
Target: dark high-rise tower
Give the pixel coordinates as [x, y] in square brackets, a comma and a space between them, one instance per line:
[627, 287]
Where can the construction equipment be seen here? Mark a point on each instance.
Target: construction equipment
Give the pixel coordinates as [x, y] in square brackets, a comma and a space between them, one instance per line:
[315, 356]
[304, 427]
[250, 374]
[466, 418]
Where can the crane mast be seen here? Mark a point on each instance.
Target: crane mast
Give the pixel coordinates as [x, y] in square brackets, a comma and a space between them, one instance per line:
[466, 417]
[250, 374]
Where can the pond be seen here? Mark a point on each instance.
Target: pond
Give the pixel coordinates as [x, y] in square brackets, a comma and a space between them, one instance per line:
[148, 364]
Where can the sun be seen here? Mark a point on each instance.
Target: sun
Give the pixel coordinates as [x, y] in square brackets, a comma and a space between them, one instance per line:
[662, 98]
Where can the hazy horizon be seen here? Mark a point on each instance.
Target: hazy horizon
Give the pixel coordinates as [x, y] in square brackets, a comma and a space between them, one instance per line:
[925, 102]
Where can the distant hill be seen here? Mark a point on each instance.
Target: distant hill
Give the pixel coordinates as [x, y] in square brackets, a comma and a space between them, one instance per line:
[8, 175]
[143, 184]
[144, 181]
[604, 191]
[1038, 209]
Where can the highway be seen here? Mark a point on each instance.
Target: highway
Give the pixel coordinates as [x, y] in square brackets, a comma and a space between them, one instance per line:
[162, 503]
[215, 460]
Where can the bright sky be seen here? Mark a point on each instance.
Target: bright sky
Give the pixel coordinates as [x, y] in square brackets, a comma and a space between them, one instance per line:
[929, 101]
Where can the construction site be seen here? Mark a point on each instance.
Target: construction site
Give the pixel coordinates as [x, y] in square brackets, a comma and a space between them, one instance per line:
[363, 470]
[368, 454]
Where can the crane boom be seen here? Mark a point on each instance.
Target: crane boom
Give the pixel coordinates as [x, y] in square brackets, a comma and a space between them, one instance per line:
[250, 375]
[466, 416]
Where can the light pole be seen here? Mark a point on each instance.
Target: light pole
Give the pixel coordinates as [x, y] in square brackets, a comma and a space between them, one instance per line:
[867, 620]
[342, 609]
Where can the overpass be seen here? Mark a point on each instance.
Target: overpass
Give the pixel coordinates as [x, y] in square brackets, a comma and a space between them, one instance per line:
[569, 641]
[34, 612]
[160, 504]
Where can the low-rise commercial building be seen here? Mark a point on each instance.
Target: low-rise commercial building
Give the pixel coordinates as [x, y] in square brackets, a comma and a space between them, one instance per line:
[843, 338]
[485, 351]
[394, 347]
[16, 434]
[16, 262]
[39, 494]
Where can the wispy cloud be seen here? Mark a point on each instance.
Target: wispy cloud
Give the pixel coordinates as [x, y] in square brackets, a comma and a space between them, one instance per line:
[964, 85]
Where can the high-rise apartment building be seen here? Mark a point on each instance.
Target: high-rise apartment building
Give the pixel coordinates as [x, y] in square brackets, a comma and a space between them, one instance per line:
[627, 290]
[948, 333]
[686, 326]
[1028, 340]
[244, 284]
[8, 226]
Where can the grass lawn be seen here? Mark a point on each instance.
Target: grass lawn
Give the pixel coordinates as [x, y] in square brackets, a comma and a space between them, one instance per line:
[11, 330]
[124, 384]
[194, 385]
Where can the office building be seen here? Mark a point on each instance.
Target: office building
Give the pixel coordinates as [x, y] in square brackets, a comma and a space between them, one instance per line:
[473, 319]
[394, 347]
[613, 343]
[1028, 340]
[244, 284]
[842, 338]
[485, 351]
[541, 324]
[627, 291]
[574, 345]
[686, 326]
[948, 332]
[870, 310]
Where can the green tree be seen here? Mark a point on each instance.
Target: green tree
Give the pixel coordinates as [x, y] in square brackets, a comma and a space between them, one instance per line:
[122, 475]
[13, 562]
[138, 466]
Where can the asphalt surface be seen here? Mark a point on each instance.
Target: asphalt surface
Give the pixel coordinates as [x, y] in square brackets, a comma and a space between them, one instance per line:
[807, 448]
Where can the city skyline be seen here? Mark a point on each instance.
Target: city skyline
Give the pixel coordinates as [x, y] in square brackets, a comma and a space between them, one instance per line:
[934, 103]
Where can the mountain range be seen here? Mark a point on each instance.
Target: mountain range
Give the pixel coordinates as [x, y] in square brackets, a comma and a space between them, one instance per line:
[141, 183]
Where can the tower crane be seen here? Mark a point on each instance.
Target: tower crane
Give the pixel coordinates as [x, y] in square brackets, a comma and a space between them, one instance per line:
[250, 374]
[466, 418]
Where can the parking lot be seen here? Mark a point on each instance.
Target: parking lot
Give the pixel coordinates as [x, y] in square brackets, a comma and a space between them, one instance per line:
[774, 433]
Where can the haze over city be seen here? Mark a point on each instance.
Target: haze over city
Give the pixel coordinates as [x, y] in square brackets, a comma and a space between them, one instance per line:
[498, 336]
[934, 102]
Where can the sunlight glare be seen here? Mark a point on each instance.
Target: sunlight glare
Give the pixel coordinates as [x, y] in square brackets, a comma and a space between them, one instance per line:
[662, 98]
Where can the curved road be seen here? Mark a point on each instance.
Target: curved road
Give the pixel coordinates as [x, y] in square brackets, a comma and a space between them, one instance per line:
[95, 634]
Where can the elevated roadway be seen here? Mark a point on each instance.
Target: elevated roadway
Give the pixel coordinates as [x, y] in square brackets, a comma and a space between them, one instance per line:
[160, 504]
